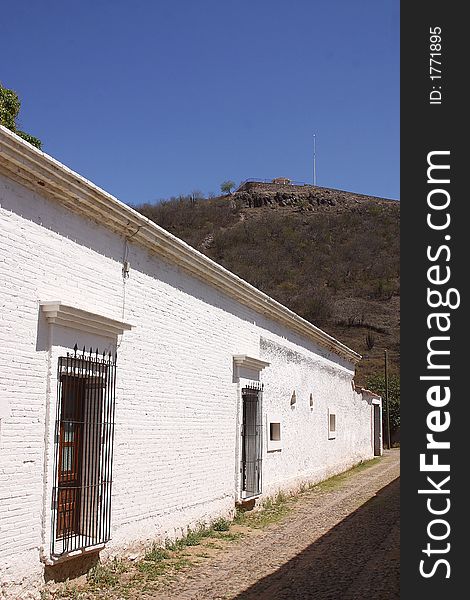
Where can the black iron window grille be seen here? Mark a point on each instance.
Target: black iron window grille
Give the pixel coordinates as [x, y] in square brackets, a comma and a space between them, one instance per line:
[252, 433]
[84, 433]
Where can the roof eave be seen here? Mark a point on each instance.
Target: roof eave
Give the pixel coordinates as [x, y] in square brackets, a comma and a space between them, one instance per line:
[45, 175]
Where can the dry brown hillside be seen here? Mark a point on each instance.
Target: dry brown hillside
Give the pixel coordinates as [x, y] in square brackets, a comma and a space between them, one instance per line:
[329, 255]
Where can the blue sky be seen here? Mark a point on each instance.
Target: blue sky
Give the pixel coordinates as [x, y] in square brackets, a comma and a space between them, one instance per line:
[150, 99]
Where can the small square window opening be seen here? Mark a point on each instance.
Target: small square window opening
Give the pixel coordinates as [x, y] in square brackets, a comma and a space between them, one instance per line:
[331, 425]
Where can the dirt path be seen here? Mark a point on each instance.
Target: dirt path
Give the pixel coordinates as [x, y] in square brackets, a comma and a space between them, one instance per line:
[342, 542]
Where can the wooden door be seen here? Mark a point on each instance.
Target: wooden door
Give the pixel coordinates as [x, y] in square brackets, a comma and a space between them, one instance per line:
[70, 457]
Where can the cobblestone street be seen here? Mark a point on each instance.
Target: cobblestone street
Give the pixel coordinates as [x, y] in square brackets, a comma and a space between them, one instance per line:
[342, 543]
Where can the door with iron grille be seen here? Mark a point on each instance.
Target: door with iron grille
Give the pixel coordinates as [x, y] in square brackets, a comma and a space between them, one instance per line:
[83, 451]
[251, 441]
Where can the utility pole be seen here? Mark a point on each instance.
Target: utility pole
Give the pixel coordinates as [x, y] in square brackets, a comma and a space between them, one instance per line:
[314, 160]
[387, 411]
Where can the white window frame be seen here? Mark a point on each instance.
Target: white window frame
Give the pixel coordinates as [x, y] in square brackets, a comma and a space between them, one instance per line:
[273, 445]
[73, 323]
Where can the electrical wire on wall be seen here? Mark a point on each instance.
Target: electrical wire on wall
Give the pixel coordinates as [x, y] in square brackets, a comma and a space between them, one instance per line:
[125, 274]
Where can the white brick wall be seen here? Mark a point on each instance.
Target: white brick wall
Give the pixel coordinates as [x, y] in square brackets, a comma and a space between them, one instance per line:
[307, 452]
[177, 404]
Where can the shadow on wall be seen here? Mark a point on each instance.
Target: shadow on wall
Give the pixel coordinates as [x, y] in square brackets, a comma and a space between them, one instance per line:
[359, 558]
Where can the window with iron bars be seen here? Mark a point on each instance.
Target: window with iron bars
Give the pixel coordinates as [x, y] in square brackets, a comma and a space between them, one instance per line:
[84, 434]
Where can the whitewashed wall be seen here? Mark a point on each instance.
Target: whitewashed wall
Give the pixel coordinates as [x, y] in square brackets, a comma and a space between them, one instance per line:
[177, 403]
[307, 453]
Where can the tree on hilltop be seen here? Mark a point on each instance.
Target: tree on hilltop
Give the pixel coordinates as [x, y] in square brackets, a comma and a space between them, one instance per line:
[226, 186]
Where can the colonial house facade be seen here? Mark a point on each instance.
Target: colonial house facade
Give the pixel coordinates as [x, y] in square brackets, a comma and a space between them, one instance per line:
[144, 389]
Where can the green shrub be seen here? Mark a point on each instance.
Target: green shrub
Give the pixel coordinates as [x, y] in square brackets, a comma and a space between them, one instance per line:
[221, 525]
[376, 383]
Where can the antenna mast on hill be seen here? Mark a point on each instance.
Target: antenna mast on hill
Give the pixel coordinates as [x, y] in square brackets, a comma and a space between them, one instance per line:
[314, 159]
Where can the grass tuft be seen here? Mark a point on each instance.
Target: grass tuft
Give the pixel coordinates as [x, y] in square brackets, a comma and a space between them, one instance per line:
[272, 510]
[193, 538]
[221, 524]
[156, 553]
[106, 575]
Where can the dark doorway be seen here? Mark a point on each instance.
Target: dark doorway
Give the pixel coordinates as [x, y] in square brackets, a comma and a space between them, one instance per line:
[251, 441]
[377, 430]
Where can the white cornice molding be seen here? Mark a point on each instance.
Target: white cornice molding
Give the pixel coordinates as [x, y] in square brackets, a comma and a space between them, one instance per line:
[46, 176]
[68, 316]
[364, 392]
[248, 362]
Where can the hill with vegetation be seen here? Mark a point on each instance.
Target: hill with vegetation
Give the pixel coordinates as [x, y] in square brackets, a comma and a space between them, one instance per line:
[329, 255]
